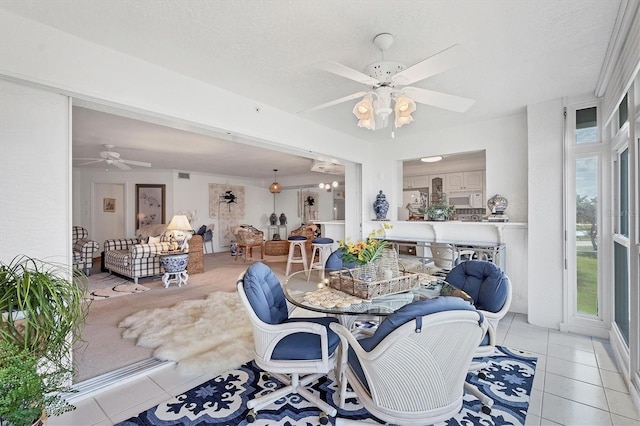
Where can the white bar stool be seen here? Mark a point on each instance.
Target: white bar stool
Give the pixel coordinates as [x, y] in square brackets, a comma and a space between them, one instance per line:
[297, 241]
[322, 247]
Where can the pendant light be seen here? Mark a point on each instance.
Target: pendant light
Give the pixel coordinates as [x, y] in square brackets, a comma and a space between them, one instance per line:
[275, 187]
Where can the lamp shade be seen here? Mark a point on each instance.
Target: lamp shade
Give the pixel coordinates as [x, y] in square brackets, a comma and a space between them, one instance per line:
[179, 222]
[364, 112]
[403, 109]
[275, 187]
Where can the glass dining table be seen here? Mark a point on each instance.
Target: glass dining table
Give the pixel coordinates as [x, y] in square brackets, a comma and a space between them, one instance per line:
[310, 290]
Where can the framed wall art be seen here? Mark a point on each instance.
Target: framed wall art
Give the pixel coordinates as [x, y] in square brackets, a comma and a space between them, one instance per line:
[109, 205]
[150, 204]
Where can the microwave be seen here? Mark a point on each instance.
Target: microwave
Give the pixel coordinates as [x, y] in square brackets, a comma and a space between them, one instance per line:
[466, 199]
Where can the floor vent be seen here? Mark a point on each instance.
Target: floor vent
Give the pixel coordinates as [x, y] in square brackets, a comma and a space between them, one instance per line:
[184, 175]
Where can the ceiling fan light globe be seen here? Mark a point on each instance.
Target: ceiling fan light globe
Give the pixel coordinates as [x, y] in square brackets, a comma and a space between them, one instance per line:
[367, 124]
[334, 184]
[401, 121]
[363, 109]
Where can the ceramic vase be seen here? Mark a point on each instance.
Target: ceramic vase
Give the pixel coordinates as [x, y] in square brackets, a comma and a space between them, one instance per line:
[283, 219]
[381, 206]
[273, 219]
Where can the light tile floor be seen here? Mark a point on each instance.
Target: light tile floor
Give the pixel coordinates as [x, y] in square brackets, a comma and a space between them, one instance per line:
[576, 383]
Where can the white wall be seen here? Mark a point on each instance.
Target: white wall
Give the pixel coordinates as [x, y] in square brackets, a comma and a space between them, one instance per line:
[35, 186]
[546, 295]
[505, 142]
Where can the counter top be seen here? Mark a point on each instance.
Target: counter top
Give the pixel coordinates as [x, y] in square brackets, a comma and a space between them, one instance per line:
[436, 231]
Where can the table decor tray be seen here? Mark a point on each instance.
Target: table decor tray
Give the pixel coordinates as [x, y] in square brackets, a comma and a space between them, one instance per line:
[360, 283]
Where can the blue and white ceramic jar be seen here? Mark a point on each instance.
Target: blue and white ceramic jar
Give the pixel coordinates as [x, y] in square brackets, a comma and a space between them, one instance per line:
[381, 206]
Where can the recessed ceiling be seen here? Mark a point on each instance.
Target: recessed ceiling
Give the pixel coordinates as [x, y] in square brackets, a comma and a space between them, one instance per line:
[520, 52]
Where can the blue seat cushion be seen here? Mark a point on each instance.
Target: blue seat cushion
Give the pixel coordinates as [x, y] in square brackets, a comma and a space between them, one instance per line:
[265, 294]
[306, 345]
[297, 238]
[322, 241]
[484, 281]
[335, 263]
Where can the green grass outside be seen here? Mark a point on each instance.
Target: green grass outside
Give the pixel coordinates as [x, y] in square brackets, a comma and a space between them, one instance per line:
[587, 276]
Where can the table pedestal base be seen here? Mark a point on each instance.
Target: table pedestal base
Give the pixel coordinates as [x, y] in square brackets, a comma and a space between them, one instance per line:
[177, 277]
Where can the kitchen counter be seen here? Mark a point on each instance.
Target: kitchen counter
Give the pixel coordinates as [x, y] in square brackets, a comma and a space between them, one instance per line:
[333, 229]
[445, 231]
[512, 236]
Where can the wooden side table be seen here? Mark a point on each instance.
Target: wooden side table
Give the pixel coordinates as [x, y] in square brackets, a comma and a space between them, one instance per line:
[249, 248]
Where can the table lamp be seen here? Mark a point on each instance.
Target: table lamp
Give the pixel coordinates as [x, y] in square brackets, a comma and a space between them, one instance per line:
[180, 226]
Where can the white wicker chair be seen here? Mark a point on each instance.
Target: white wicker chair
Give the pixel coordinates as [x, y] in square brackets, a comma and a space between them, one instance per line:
[272, 329]
[416, 373]
[471, 277]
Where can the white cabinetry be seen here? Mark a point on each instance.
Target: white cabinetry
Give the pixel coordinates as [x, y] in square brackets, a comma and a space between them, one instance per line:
[464, 180]
[415, 182]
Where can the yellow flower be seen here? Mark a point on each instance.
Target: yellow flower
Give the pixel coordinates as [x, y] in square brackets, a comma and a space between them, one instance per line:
[362, 252]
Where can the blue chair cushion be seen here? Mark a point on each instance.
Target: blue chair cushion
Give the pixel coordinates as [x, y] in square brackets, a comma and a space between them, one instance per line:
[265, 294]
[334, 262]
[400, 317]
[306, 345]
[484, 281]
[411, 311]
[322, 241]
[297, 238]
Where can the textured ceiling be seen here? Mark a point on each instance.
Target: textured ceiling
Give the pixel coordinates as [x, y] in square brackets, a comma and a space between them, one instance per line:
[520, 52]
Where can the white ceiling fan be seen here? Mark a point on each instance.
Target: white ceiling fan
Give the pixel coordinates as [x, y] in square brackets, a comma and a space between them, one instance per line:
[390, 81]
[112, 158]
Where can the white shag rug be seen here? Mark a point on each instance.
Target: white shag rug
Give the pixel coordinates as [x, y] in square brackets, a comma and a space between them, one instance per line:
[204, 336]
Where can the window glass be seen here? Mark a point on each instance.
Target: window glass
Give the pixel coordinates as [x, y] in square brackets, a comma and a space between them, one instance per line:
[586, 235]
[623, 111]
[587, 125]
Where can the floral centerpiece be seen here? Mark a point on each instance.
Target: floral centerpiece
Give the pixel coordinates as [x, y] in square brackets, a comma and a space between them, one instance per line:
[362, 252]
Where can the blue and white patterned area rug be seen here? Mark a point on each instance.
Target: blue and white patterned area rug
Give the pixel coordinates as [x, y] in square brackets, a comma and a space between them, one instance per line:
[222, 400]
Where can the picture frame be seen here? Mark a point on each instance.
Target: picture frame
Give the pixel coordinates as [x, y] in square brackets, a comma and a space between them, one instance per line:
[150, 204]
[109, 205]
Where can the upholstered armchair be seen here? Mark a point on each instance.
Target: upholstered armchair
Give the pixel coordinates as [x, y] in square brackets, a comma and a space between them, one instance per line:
[83, 249]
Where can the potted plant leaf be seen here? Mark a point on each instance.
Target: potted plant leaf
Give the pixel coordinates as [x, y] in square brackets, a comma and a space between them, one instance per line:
[43, 307]
[439, 211]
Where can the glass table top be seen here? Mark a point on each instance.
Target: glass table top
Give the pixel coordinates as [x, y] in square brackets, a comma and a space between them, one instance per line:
[311, 291]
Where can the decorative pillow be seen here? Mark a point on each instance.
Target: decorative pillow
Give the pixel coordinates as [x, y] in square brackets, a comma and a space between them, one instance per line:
[153, 240]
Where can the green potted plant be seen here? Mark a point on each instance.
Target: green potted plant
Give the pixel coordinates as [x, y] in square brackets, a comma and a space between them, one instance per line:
[43, 308]
[28, 391]
[439, 211]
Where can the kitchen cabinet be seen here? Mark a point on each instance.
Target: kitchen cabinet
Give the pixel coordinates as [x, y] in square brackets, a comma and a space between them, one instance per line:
[415, 182]
[464, 180]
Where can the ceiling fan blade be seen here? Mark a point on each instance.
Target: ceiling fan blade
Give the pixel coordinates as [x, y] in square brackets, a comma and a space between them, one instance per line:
[337, 101]
[136, 163]
[120, 164]
[88, 161]
[439, 99]
[440, 62]
[346, 72]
